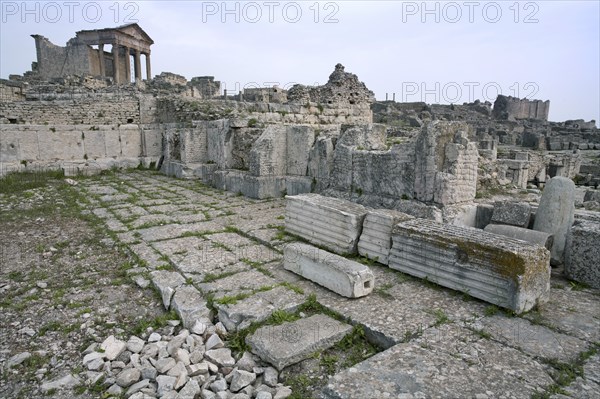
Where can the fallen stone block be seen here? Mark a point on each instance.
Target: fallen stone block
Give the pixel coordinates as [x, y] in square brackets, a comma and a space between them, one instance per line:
[511, 213]
[342, 276]
[376, 238]
[519, 233]
[292, 342]
[582, 255]
[329, 222]
[506, 272]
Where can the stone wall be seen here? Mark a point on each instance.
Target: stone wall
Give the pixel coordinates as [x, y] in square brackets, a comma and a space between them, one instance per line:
[101, 111]
[93, 146]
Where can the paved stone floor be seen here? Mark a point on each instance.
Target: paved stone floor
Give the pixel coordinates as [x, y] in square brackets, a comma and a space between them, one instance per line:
[439, 343]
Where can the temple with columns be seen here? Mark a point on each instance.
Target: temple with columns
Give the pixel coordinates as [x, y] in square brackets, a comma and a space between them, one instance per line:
[87, 54]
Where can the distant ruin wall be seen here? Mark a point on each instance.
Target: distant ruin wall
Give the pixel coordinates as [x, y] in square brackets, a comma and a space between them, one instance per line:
[511, 108]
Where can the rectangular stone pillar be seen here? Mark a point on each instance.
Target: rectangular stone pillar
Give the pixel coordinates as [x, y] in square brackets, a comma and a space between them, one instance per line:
[137, 70]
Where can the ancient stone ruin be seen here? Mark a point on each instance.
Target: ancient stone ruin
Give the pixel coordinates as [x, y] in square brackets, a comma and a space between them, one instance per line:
[485, 201]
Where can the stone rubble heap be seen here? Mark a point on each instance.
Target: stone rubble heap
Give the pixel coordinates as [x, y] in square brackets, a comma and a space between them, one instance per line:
[194, 363]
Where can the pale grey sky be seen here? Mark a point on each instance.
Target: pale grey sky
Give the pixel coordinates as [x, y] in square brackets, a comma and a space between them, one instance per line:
[434, 51]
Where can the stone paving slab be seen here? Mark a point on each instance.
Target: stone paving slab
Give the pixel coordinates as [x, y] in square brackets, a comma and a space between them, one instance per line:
[180, 245]
[258, 307]
[576, 313]
[170, 231]
[231, 240]
[148, 254]
[537, 340]
[292, 342]
[445, 363]
[201, 276]
[238, 283]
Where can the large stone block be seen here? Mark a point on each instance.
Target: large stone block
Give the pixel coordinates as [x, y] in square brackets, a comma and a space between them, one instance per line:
[293, 342]
[582, 254]
[329, 222]
[511, 213]
[531, 236]
[506, 272]
[555, 214]
[376, 238]
[342, 276]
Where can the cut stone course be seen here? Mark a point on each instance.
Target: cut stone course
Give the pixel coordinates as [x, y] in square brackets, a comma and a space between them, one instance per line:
[506, 272]
[343, 276]
[292, 342]
[329, 222]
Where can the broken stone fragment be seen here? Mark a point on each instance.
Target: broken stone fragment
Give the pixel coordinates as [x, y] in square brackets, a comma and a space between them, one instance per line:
[112, 347]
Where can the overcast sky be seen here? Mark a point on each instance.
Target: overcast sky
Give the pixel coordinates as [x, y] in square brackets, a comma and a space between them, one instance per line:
[446, 52]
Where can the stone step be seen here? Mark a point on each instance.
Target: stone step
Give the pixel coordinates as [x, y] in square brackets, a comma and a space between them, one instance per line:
[506, 272]
[329, 222]
[343, 276]
[292, 342]
[376, 238]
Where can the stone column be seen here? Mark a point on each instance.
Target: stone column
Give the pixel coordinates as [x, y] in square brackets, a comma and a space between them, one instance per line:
[148, 70]
[115, 51]
[127, 65]
[101, 59]
[137, 70]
